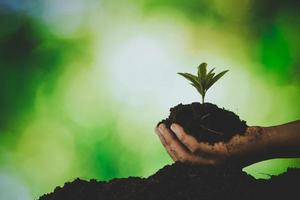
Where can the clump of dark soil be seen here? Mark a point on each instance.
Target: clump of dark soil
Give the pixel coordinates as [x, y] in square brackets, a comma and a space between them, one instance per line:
[184, 182]
[206, 122]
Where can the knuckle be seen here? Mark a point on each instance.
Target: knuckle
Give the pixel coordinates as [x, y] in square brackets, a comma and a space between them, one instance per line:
[181, 158]
[181, 137]
[169, 151]
[193, 148]
[178, 156]
[167, 143]
[172, 147]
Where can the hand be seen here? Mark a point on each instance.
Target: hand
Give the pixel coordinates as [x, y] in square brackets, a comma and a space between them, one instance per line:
[241, 149]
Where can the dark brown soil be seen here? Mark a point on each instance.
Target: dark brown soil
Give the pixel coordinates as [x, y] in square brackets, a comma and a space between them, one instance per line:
[184, 182]
[206, 122]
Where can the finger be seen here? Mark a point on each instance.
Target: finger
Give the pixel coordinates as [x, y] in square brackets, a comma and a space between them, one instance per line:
[173, 144]
[189, 141]
[179, 153]
[201, 148]
[161, 138]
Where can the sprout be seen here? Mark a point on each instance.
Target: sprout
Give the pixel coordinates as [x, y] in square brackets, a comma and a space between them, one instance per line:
[204, 80]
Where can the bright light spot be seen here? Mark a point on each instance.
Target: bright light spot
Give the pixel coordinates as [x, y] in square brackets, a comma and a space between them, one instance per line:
[11, 188]
[64, 17]
[141, 71]
[137, 69]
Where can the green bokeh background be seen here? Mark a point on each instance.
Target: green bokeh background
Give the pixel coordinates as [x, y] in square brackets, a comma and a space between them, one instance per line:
[84, 82]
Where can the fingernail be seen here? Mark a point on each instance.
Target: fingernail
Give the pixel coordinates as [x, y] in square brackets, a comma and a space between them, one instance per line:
[161, 127]
[174, 127]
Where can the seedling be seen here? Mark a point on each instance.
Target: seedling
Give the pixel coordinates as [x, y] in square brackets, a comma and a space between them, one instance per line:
[204, 80]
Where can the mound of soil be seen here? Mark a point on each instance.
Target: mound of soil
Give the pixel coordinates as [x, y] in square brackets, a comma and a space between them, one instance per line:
[184, 182]
[206, 122]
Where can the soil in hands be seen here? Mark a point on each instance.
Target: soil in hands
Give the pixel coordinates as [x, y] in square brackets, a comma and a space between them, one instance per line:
[206, 122]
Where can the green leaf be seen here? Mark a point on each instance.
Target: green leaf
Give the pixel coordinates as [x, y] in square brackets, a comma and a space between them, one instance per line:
[203, 81]
[202, 74]
[216, 78]
[211, 71]
[202, 71]
[190, 77]
[199, 88]
[209, 77]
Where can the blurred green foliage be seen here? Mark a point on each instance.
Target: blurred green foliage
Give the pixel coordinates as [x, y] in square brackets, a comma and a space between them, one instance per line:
[83, 83]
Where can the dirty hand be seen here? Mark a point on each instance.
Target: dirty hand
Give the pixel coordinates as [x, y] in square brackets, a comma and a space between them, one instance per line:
[241, 149]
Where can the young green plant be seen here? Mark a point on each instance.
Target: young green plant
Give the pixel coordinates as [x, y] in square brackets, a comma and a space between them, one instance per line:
[203, 81]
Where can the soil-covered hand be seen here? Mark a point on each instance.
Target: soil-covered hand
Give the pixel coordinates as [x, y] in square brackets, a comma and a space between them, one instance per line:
[241, 150]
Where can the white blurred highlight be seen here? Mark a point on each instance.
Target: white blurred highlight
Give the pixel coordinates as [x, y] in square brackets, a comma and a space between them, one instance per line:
[12, 188]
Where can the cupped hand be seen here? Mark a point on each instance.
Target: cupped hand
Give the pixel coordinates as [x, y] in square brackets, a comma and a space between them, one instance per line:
[241, 149]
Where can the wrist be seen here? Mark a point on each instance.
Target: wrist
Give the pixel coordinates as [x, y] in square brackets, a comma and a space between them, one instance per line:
[284, 140]
[260, 145]
[252, 147]
[272, 142]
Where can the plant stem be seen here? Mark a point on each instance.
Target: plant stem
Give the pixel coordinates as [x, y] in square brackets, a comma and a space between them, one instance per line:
[203, 99]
